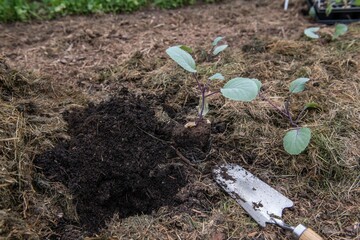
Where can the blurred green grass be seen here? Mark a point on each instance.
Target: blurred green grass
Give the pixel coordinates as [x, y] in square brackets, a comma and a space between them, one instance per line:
[25, 10]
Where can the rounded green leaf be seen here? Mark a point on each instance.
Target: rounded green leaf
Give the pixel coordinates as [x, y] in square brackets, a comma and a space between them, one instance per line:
[240, 89]
[217, 76]
[298, 85]
[217, 40]
[340, 29]
[183, 58]
[312, 12]
[219, 49]
[311, 32]
[295, 141]
[257, 82]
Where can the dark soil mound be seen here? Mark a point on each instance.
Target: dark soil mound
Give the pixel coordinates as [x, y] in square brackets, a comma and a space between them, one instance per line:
[112, 163]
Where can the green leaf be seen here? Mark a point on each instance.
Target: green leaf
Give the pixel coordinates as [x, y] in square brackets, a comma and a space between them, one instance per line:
[312, 105]
[219, 49]
[295, 141]
[311, 32]
[186, 48]
[340, 29]
[312, 12]
[217, 40]
[357, 3]
[183, 58]
[328, 9]
[60, 7]
[298, 85]
[240, 89]
[217, 76]
[257, 82]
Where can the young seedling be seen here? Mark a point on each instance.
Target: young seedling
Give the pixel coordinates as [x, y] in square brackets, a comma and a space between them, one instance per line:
[330, 5]
[238, 89]
[217, 46]
[296, 140]
[338, 4]
[340, 29]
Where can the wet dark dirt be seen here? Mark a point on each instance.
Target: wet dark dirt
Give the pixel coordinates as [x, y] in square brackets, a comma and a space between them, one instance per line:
[115, 162]
[193, 142]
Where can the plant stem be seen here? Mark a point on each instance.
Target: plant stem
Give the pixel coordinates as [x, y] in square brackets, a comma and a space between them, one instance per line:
[202, 104]
[285, 113]
[287, 110]
[197, 81]
[273, 105]
[202, 89]
[210, 94]
[209, 56]
[301, 114]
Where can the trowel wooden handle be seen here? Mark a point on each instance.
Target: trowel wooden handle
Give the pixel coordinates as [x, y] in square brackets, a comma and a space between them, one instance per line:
[303, 233]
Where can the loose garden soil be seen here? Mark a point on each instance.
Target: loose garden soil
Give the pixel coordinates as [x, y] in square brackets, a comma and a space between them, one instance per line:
[112, 163]
[92, 136]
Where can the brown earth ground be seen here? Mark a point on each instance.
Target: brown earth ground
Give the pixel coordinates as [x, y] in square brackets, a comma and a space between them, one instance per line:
[78, 92]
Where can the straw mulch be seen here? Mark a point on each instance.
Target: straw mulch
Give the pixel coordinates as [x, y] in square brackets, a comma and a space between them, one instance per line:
[323, 181]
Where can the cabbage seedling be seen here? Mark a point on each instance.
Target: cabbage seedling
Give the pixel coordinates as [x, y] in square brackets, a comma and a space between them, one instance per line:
[238, 89]
[296, 140]
[340, 29]
[217, 47]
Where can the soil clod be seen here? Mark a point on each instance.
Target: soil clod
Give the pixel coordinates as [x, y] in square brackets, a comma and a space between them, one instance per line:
[193, 142]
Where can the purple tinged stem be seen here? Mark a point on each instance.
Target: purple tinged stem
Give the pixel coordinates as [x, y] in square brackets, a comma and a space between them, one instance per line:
[202, 103]
[285, 112]
[197, 81]
[202, 89]
[301, 114]
[210, 94]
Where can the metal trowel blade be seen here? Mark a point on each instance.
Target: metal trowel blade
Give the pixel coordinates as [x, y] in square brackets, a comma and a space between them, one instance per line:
[259, 200]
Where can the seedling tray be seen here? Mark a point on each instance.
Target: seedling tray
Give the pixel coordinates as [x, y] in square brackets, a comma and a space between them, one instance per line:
[337, 15]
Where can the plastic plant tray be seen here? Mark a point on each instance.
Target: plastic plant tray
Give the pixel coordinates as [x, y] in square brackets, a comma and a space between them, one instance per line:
[337, 15]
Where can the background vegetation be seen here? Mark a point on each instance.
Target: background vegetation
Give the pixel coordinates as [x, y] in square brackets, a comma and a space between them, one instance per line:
[24, 10]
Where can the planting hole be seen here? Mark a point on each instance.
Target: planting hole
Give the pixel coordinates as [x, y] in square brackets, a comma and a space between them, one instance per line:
[113, 163]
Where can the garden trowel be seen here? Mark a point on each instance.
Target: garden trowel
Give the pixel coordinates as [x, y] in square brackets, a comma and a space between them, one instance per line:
[262, 202]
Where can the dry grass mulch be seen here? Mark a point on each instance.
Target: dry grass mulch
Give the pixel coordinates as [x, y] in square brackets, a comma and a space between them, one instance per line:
[323, 181]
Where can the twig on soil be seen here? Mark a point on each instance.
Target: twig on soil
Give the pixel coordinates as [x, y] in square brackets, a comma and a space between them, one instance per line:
[182, 157]
[163, 141]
